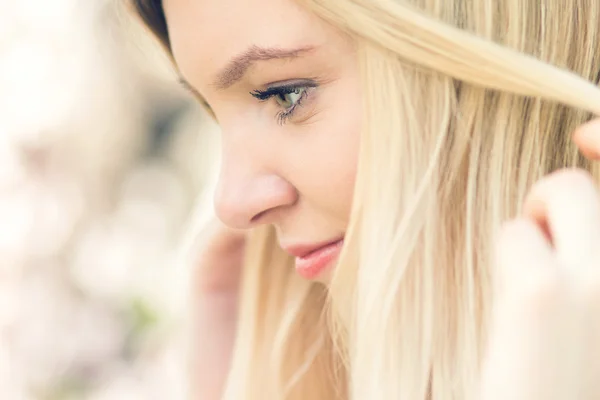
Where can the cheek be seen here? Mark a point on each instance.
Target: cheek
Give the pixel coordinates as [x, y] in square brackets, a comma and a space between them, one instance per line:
[343, 172]
[321, 158]
[340, 181]
[326, 173]
[343, 135]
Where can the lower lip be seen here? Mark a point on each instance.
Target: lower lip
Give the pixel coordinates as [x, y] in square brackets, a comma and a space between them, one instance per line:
[313, 264]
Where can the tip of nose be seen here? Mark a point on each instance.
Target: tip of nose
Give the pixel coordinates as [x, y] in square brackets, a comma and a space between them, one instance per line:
[243, 204]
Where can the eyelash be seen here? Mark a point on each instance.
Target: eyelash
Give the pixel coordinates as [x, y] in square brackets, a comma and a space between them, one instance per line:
[284, 115]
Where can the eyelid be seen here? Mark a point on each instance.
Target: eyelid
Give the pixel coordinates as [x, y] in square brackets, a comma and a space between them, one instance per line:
[293, 84]
[274, 89]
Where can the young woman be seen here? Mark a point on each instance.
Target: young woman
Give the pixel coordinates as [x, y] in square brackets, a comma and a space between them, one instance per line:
[414, 160]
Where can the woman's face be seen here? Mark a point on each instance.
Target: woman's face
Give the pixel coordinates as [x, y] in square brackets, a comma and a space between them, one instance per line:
[284, 87]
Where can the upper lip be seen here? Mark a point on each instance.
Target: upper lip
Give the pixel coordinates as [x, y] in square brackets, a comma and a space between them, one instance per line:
[303, 250]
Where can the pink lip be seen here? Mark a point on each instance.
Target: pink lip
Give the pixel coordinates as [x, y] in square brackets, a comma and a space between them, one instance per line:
[311, 260]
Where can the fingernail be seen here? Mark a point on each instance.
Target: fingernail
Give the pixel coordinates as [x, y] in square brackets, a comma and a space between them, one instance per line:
[588, 138]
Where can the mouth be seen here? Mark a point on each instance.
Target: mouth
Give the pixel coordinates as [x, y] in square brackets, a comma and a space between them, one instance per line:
[313, 260]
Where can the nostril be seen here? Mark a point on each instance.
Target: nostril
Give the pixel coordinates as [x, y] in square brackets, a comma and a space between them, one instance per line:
[258, 216]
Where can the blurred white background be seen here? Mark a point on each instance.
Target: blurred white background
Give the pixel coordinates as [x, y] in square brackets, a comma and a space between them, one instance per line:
[102, 156]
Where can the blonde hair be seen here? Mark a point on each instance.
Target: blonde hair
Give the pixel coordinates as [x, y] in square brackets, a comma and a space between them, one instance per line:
[467, 103]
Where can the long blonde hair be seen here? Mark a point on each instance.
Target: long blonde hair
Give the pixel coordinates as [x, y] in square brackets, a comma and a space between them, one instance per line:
[467, 103]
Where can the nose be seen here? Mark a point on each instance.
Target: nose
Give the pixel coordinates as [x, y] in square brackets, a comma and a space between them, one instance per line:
[246, 197]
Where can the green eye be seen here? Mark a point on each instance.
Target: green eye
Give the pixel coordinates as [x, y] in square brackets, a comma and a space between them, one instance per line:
[288, 100]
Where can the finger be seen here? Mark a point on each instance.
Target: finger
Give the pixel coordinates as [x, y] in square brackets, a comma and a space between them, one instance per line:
[526, 356]
[568, 202]
[587, 139]
[215, 255]
[523, 256]
[591, 336]
[220, 238]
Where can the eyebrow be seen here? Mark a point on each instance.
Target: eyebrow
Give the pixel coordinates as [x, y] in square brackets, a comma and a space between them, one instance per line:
[235, 70]
[237, 67]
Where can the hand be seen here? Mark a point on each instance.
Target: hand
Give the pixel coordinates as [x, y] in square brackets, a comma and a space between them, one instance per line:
[545, 337]
[217, 259]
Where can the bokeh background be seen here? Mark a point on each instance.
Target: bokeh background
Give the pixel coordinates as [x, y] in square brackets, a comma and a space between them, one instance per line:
[103, 160]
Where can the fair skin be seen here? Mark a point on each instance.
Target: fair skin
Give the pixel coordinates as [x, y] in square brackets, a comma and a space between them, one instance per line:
[275, 171]
[297, 175]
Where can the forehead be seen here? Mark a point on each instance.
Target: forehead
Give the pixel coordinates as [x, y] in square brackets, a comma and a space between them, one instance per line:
[205, 34]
